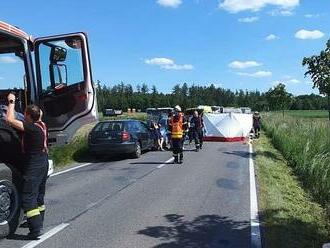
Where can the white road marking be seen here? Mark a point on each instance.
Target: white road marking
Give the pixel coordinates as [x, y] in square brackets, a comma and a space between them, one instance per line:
[46, 236]
[254, 217]
[71, 169]
[165, 163]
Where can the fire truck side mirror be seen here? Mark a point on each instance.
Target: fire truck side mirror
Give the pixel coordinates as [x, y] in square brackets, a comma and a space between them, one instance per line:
[57, 54]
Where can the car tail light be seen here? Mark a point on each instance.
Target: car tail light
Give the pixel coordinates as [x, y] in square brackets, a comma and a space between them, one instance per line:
[125, 136]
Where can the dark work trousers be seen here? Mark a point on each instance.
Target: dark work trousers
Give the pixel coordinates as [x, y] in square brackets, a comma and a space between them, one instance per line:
[177, 149]
[256, 130]
[33, 190]
[198, 137]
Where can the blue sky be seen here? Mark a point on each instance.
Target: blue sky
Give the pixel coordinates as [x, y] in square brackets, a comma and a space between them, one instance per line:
[165, 42]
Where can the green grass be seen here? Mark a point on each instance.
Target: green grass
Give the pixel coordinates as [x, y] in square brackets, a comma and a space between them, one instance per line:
[308, 113]
[305, 144]
[288, 214]
[76, 151]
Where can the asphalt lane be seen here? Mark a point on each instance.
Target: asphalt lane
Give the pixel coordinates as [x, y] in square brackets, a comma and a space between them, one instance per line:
[131, 203]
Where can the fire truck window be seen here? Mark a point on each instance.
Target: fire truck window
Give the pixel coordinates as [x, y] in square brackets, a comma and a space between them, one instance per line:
[11, 71]
[64, 72]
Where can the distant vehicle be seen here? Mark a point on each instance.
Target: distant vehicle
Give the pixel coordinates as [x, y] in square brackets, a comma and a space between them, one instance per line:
[246, 110]
[120, 137]
[155, 114]
[232, 110]
[206, 109]
[112, 112]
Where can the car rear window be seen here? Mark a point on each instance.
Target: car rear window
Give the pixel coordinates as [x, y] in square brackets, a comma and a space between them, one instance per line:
[132, 126]
[109, 126]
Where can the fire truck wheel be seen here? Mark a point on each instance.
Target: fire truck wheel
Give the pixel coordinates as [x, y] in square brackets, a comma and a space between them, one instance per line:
[10, 204]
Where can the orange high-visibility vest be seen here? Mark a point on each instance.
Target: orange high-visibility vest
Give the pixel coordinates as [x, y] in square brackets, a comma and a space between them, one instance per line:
[177, 127]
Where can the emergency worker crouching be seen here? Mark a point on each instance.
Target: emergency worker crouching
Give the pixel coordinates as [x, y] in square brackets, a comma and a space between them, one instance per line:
[177, 125]
[35, 167]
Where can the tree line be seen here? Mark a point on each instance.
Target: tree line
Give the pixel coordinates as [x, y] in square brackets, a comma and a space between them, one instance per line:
[124, 96]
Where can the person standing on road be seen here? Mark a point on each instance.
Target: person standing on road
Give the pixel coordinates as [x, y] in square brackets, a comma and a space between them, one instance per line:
[177, 127]
[197, 125]
[158, 138]
[256, 124]
[35, 167]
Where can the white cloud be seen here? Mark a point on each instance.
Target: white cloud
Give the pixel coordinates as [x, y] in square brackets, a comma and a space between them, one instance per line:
[282, 12]
[159, 61]
[312, 15]
[249, 19]
[168, 64]
[8, 60]
[235, 6]
[293, 81]
[287, 80]
[258, 74]
[272, 37]
[170, 3]
[309, 35]
[286, 12]
[244, 64]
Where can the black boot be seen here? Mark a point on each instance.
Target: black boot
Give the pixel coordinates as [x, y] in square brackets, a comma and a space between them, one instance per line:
[34, 224]
[181, 158]
[42, 215]
[176, 159]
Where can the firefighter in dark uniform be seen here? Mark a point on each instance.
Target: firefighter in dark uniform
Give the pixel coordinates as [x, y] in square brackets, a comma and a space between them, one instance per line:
[197, 126]
[256, 124]
[177, 126]
[35, 167]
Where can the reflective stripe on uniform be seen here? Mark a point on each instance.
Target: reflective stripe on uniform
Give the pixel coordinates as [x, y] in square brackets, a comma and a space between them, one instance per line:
[42, 208]
[32, 213]
[177, 133]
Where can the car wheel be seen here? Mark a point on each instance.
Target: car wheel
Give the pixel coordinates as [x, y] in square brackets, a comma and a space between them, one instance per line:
[10, 206]
[137, 151]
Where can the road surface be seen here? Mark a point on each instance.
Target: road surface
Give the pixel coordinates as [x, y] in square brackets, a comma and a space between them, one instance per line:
[205, 202]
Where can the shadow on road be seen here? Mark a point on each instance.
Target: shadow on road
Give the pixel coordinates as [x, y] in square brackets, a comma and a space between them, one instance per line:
[89, 158]
[208, 231]
[18, 237]
[243, 154]
[204, 231]
[136, 163]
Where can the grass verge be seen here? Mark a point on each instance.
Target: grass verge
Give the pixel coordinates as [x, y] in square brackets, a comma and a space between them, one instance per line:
[75, 151]
[289, 216]
[305, 144]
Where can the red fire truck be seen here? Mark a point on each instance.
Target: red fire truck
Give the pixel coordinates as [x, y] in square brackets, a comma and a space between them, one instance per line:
[53, 72]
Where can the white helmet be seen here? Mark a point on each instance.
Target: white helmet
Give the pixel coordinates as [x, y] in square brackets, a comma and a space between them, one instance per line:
[177, 108]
